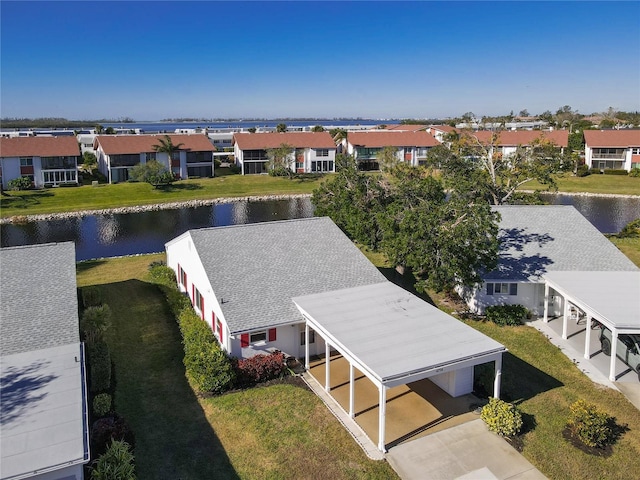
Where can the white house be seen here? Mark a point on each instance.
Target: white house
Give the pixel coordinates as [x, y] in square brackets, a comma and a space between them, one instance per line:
[508, 141]
[117, 154]
[46, 161]
[534, 241]
[612, 149]
[43, 413]
[411, 146]
[312, 152]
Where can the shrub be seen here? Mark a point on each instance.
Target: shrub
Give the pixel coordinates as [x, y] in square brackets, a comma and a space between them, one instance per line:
[114, 464]
[595, 170]
[634, 172]
[160, 273]
[107, 429]
[99, 366]
[22, 183]
[95, 321]
[501, 417]
[235, 168]
[582, 171]
[630, 230]
[91, 296]
[614, 171]
[506, 314]
[259, 368]
[102, 404]
[590, 425]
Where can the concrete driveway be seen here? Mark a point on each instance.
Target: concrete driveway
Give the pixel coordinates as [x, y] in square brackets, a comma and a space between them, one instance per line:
[467, 451]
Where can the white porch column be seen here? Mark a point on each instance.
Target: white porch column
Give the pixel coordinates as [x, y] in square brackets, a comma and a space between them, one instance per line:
[587, 339]
[614, 351]
[306, 345]
[382, 407]
[498, 377]
[565, 318]
[352, 382]
[545, 318]
[327, 367]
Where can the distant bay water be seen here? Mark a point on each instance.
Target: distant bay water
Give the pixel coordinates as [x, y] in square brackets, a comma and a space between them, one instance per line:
[170, 127]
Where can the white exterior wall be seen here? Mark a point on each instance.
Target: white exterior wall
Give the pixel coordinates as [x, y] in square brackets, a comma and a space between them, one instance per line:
[456, 382]
[10, 170]
[238, 156]
[588, 157]
[528, 295]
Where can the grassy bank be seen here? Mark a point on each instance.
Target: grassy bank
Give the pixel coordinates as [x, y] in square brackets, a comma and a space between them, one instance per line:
[68, 199]
[280, 431]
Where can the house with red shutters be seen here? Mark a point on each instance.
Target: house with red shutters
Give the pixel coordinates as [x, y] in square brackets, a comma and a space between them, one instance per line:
[117, 154]
[311, 152]
[612, 149]
[46, 161]
[411, 146]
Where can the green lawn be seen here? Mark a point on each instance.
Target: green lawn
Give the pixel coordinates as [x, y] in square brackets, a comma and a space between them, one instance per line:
[282, 431]
[618, 184]
[68, 199]
[629, 246]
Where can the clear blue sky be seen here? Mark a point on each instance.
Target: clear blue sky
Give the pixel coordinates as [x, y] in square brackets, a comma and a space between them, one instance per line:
[158, 59]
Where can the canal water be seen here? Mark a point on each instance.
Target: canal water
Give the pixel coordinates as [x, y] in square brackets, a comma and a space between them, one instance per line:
[98, 236]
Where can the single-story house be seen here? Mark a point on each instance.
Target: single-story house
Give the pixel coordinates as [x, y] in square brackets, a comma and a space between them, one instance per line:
[46, 161]
[43, 408]
[302, 287]
[311, 151]
[612, 149]
[117, 154]
[411, 146]
[536, 240]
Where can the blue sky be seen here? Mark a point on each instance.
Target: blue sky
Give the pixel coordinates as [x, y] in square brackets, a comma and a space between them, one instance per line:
[159, 59]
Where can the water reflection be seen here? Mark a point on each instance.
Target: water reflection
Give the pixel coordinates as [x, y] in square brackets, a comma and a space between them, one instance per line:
[127, 234]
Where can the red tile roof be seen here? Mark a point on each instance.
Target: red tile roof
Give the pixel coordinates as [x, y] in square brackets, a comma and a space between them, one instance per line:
[443, 128]
[385, 138]
[410, 127]
[66, 146]
[123, 144]
[260, 141]
[509, 138]
[612, 138]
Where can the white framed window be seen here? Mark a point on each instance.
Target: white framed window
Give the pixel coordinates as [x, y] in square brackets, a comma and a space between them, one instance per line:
[198, 299]
[322, 152]
[26, 162]
[635, 151]
[182, 277]
[260, 336]
[502, 288]
[312, 337]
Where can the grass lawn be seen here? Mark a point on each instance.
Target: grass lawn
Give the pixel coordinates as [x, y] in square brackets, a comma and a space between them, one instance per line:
[279, 431]
[629, 246]
[619, 184]
[68, 199]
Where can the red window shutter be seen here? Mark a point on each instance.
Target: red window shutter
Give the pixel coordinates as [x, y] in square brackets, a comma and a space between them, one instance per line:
[244, 340]
[272, 334]
[220, 330]
[202, 306]
[179, 274]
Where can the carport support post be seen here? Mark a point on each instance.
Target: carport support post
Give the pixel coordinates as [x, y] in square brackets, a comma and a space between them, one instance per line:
[614, 352]
[565, 319]
[498, 377]
[545, 317]
[306, 345]
[327, 367]
[587, 339]
[382, 408]
[351, 390]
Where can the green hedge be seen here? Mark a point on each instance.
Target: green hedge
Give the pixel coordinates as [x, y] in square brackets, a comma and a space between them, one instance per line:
[102, 404]
[506, 314]
[613, 171]
[99, 366]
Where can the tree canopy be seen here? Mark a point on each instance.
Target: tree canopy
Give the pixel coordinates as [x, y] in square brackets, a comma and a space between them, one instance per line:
[279, 164]
[152, 172]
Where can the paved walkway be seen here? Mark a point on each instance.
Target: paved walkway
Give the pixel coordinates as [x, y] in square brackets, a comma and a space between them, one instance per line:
[467, 451]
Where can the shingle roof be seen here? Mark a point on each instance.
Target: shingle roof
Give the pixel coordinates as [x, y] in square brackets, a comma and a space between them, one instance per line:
[536, 239]
[612, 138]
[392, 138]
[524, 137]
[123, 144]
[260, 141]
[38, 299]
[258, 268]
[39, 147]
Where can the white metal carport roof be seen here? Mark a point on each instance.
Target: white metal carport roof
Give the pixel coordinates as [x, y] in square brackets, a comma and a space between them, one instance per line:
[394, 337]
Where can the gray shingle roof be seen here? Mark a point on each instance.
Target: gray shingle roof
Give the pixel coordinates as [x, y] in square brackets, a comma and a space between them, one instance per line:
[38, 299]
[258, 268]
[536, 239]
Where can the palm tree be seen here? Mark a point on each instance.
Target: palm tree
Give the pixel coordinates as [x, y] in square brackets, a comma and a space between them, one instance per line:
[166, 146]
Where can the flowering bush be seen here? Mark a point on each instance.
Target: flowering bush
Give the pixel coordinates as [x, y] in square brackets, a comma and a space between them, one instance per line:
[260, 368]
[590, 425]
[501, 417]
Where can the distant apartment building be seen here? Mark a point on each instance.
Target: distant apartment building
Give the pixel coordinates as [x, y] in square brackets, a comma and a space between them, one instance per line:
[411, 146]
[612, 149]
[46, 161]
[312, 152]
[117, 154]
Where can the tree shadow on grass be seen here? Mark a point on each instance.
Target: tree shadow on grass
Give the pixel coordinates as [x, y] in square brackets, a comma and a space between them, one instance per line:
[24, 200]
[174, 438]
[87, 265]
[180, 187]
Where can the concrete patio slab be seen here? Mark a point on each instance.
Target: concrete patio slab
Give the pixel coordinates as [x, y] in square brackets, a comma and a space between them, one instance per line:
[466, 451]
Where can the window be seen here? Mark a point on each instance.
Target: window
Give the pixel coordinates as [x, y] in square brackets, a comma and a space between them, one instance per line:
[312, 337]
[635, 151]
[182, 277]
[151, 156]
[321, 166]
[198, 300]
[502, 288]
[322, 152]
[258, 336]
[26, 162]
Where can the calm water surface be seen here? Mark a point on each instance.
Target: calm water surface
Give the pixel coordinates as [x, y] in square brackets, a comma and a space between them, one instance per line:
[100, 236]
